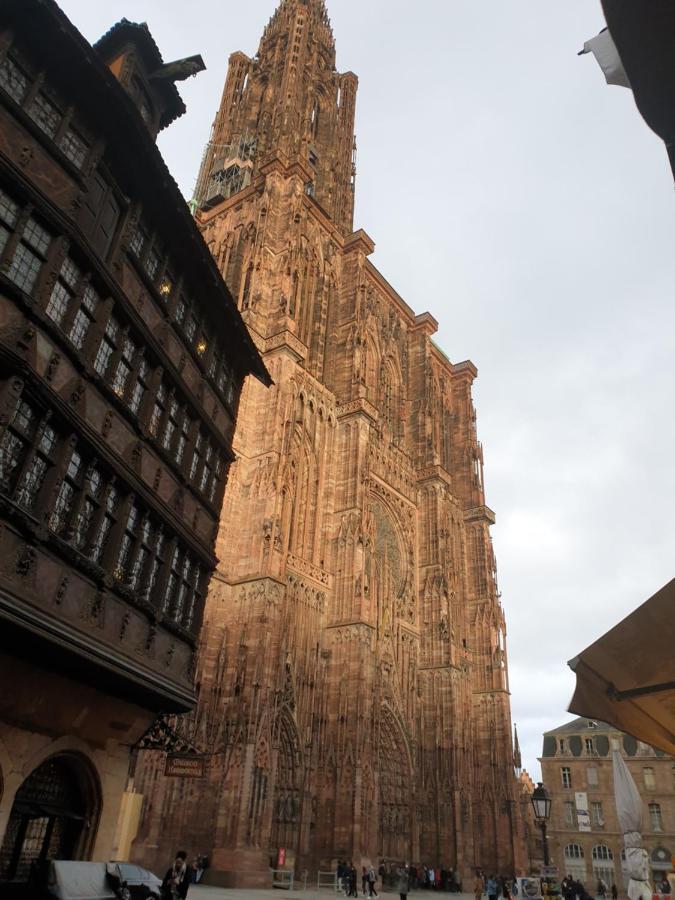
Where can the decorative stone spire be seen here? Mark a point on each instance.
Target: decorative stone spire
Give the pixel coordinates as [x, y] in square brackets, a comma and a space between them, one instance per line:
[517, 758]
[288, 101]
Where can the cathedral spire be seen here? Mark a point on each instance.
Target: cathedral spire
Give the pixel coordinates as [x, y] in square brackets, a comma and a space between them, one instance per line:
[517, 758]
[288, 101]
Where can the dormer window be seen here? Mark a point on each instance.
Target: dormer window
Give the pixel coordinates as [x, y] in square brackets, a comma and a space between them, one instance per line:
[313, 158]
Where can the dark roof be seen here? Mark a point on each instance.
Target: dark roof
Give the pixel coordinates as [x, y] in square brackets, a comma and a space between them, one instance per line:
[580, 726]
[137, 33]
[71, 61]
[644, 34]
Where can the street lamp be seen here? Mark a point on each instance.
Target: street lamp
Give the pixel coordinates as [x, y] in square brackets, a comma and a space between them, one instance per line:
[541, 804]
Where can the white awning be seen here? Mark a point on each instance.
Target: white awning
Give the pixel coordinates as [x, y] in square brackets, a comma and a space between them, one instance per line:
[604, 50]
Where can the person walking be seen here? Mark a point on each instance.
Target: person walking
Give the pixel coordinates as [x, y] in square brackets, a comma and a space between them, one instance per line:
[339, 874]
[478, 885]
[615, 891]
[372, 878]
[353, 892]
[492, 888]
[602, 889]
[403, 883]
[177, 879]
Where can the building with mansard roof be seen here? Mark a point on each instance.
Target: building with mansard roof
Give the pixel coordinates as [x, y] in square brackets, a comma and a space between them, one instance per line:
[354, 696]
[122, 357]
[586, 840]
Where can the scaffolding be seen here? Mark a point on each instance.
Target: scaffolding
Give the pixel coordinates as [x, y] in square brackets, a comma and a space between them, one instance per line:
[230, 167]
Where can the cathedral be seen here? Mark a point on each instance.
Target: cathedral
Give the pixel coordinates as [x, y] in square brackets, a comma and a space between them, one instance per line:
[352, 677]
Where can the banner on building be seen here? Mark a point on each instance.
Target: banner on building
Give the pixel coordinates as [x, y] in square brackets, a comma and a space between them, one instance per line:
[583, 815]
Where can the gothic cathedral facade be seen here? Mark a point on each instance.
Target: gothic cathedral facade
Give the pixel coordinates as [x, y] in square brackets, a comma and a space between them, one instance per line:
[353, 687]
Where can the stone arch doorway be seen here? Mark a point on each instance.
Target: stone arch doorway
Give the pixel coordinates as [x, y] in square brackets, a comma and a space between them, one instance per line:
[394, 791]
[286, 810]
[54, 816]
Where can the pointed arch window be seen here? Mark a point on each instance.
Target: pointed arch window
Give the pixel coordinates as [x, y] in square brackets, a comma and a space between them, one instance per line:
[314, 119]
[246, 290]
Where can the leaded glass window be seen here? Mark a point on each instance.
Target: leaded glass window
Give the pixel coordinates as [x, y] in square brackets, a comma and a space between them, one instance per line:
[89, 508]
[63, 291]
[34, 472]
[140, 387]
[122, 571]
[43, 112]
[84, 317]
[124, 367]
[107, 347]
[15, 443]
[105, 526]
[157, 411]
[9, 212]
[67, 492]
[152, 263]
[13, 79]
[29, 255]
[74, 147]
[137, 242]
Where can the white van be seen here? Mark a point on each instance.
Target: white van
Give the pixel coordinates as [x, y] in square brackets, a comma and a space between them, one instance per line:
[70, 880]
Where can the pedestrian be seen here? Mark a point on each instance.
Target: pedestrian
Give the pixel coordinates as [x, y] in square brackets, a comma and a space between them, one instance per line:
[177, 879]
[352, 881]
[372, 878]
[602, 889]
[403, 883]
[615, 891]
[492, 888]
[340, 872]
[478, 885]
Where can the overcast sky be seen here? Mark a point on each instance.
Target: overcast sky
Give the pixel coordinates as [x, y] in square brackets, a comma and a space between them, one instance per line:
[525, 204]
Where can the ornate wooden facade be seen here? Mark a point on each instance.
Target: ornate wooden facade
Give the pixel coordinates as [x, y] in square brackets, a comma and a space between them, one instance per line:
[122, 357]
[353, 675]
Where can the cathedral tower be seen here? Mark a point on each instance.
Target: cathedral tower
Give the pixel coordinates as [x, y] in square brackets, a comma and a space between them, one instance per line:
[289, 102]
[353, 690]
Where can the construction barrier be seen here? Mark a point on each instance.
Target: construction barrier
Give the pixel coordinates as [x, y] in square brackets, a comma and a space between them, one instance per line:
[282, 878]
[326, 880]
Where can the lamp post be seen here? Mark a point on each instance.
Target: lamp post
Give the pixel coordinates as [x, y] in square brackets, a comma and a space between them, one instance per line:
[541, 804]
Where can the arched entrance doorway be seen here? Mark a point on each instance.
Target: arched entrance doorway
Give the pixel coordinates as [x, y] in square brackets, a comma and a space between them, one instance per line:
[394, 787]
[286, 811]
[54, 816]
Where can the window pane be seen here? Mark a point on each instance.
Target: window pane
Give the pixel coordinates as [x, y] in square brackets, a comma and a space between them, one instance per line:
[36, 236]
[43, 112]
[58, 303]
[25, 268]
[13, 79]
[31, 482]
[9, 210]
[84, 317]
[12, 452]
[152, 263]
[74, 147]
[137, 242]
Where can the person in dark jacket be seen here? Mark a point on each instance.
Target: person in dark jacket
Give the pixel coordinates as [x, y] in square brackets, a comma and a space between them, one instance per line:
[177, 879]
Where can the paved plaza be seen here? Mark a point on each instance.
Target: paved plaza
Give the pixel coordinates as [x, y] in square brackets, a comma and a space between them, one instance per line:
[203, 892]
